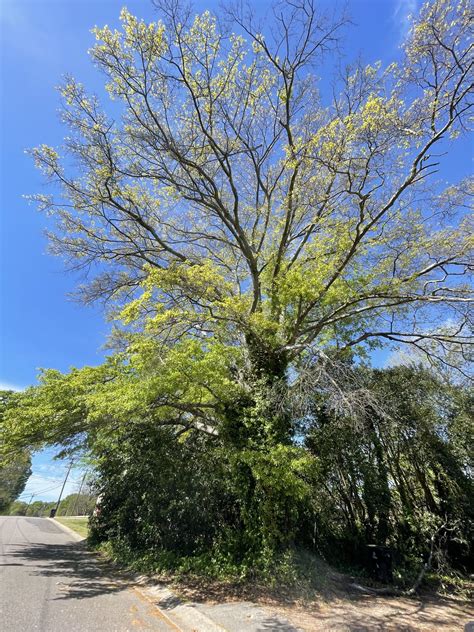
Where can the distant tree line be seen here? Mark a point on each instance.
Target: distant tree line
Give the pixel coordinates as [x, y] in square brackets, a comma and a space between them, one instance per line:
[72, 505]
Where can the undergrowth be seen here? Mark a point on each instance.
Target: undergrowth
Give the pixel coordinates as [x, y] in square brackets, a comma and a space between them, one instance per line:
[292, 569]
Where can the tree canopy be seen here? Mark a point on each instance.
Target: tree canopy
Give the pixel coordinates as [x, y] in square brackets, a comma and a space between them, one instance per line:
[14, 470]
[249, 205]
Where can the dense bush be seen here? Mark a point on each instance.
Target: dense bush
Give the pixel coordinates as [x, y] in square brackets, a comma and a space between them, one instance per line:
[159, 493]
[400, 476]
[396, 476]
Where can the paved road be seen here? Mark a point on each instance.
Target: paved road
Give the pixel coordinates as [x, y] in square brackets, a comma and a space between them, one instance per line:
[49, 583]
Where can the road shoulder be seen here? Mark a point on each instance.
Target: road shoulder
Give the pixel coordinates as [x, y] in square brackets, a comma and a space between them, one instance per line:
[74, 535]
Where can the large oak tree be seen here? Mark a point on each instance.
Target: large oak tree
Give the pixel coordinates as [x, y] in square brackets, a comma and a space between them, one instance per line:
[258, 225]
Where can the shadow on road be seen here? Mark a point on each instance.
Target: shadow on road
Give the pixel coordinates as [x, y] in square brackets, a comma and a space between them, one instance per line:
[79, 573]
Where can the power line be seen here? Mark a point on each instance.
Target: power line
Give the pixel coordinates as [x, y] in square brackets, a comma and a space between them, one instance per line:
[57, 483]
[40, 491]
[52, 480]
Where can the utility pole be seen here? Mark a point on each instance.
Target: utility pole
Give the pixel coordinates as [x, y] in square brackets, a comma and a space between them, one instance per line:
[29, 503]
[78, 495]
[55, 510]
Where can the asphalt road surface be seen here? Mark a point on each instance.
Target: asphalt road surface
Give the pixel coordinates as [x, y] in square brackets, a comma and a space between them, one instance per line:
[50, 583]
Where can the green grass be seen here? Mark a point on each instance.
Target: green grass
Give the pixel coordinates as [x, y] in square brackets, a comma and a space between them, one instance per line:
[80, 525]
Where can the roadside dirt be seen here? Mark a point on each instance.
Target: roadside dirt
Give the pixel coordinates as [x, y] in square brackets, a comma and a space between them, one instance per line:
[339, 608]
[380, 614]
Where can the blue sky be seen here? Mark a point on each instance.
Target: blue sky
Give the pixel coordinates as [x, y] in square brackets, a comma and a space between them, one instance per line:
[41, 40]
[48, 476]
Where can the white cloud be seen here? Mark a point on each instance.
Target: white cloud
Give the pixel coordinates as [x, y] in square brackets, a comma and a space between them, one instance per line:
[8, 386]
[54, 469]
[403, 11]
[406, 356]
[47, 488]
